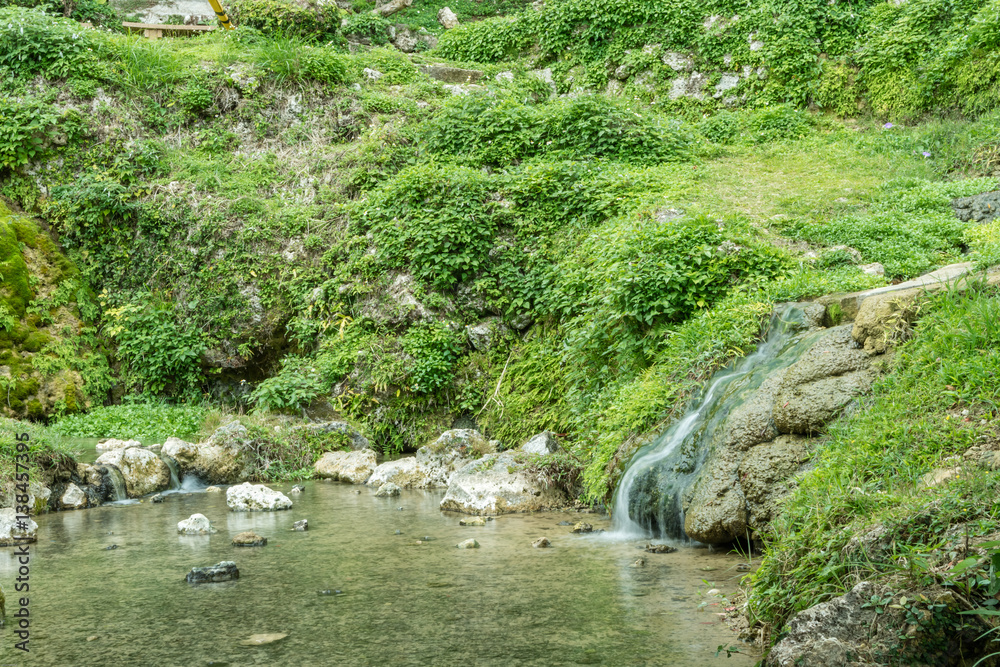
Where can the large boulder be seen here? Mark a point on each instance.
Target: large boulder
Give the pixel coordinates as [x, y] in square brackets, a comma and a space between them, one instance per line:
[249, 497]
[500, 484]
[818, 386]
[38, 495]
[14, 531]
[452, 450]
[404, 473]
[144, 471]
[220, 460]
[351, 467]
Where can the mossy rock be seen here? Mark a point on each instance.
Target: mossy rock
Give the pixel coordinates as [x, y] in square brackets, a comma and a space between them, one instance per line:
[36, 341]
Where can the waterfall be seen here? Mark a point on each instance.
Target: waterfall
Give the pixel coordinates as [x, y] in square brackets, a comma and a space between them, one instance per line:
[175, 471]
[117, 483]
[649, 497]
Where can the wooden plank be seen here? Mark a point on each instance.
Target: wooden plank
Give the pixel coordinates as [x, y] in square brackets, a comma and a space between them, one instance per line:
[162, 26]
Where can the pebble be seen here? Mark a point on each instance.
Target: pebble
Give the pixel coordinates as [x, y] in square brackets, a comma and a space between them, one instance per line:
[158, 498]
[468, 544]
[92, 638]
[583, 527]
[297, 489]
[660, 549]
[109, 548]
[639, 562]
[398, 532]
[714, 592]
[302, 524]
[743, 567]
[541, 543]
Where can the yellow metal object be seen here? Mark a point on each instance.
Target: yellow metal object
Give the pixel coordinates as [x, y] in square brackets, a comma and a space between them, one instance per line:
[221, 13]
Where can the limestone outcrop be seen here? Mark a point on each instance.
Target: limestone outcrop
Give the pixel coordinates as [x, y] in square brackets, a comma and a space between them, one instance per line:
[500, 484]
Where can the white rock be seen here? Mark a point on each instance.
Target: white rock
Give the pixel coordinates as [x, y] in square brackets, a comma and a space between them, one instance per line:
[447, 18]
[196, 524]
[351, 467]
[873, 269]
[249, 497]
[73, 498]
[543, 443]
[387, 490]
[12, 534]
[498, 484]
[111, 444]
[144, 471]
[372, 74]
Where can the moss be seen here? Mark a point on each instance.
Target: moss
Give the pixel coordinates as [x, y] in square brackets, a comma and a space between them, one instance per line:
[15, 292]
[35, 410]
[69, 396]
[36, 341]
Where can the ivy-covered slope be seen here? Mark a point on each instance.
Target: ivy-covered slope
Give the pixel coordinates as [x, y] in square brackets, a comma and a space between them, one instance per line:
[275, 221]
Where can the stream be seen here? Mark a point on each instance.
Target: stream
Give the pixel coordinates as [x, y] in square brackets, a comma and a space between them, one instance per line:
[399, 602]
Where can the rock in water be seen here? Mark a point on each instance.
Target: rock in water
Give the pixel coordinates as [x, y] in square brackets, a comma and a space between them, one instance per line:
[660, 549]
[478, 521]
[583, 527]
[158, 498]
[249, 539]
[303, 524]
[73, 498]
[144, 471]
[196, 524]
[112, 444]
[224, 571]
[213, 489]
[541, 543]
[468, 544]
[351, 467]
[387, 490]
[297, 489]
[249, 497]
[14, 532]
[500, 484]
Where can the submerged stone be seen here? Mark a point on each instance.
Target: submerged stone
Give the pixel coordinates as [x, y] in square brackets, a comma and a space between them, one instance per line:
[223, 571]
[467, 544]
[261, 639]
[541, 543]
[583, 527]
[249, 539]
[302, 524]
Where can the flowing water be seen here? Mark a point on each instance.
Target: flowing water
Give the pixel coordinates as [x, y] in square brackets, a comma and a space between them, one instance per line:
[648, 499]
[400, 603]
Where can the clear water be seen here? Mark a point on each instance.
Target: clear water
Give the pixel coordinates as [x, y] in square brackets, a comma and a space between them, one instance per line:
[506, 603]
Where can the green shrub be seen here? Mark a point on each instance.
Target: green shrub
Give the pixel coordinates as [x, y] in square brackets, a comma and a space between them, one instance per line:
[760, 126]
[158, 353]
[368, 26]
[434, 349]
[483, 130]
[294, 387]
[437, 220]
[308, 20]
[25, 127]
[33, 43]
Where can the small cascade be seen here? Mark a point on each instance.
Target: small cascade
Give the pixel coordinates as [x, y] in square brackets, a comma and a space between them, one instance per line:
[649, 498]
[175, 471]
[117, 483]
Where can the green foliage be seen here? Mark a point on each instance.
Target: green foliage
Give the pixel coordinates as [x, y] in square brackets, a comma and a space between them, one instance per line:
[296, 386]
[434, 349]
[34, 43]
[368, 26]
[159, 354]
[436, 219]
[135, 419]
[24, 130]
[43, 452]
[481, 129]
[760, 126]
[308, 20]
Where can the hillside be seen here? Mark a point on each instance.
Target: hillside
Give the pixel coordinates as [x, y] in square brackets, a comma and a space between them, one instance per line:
[561, 216]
